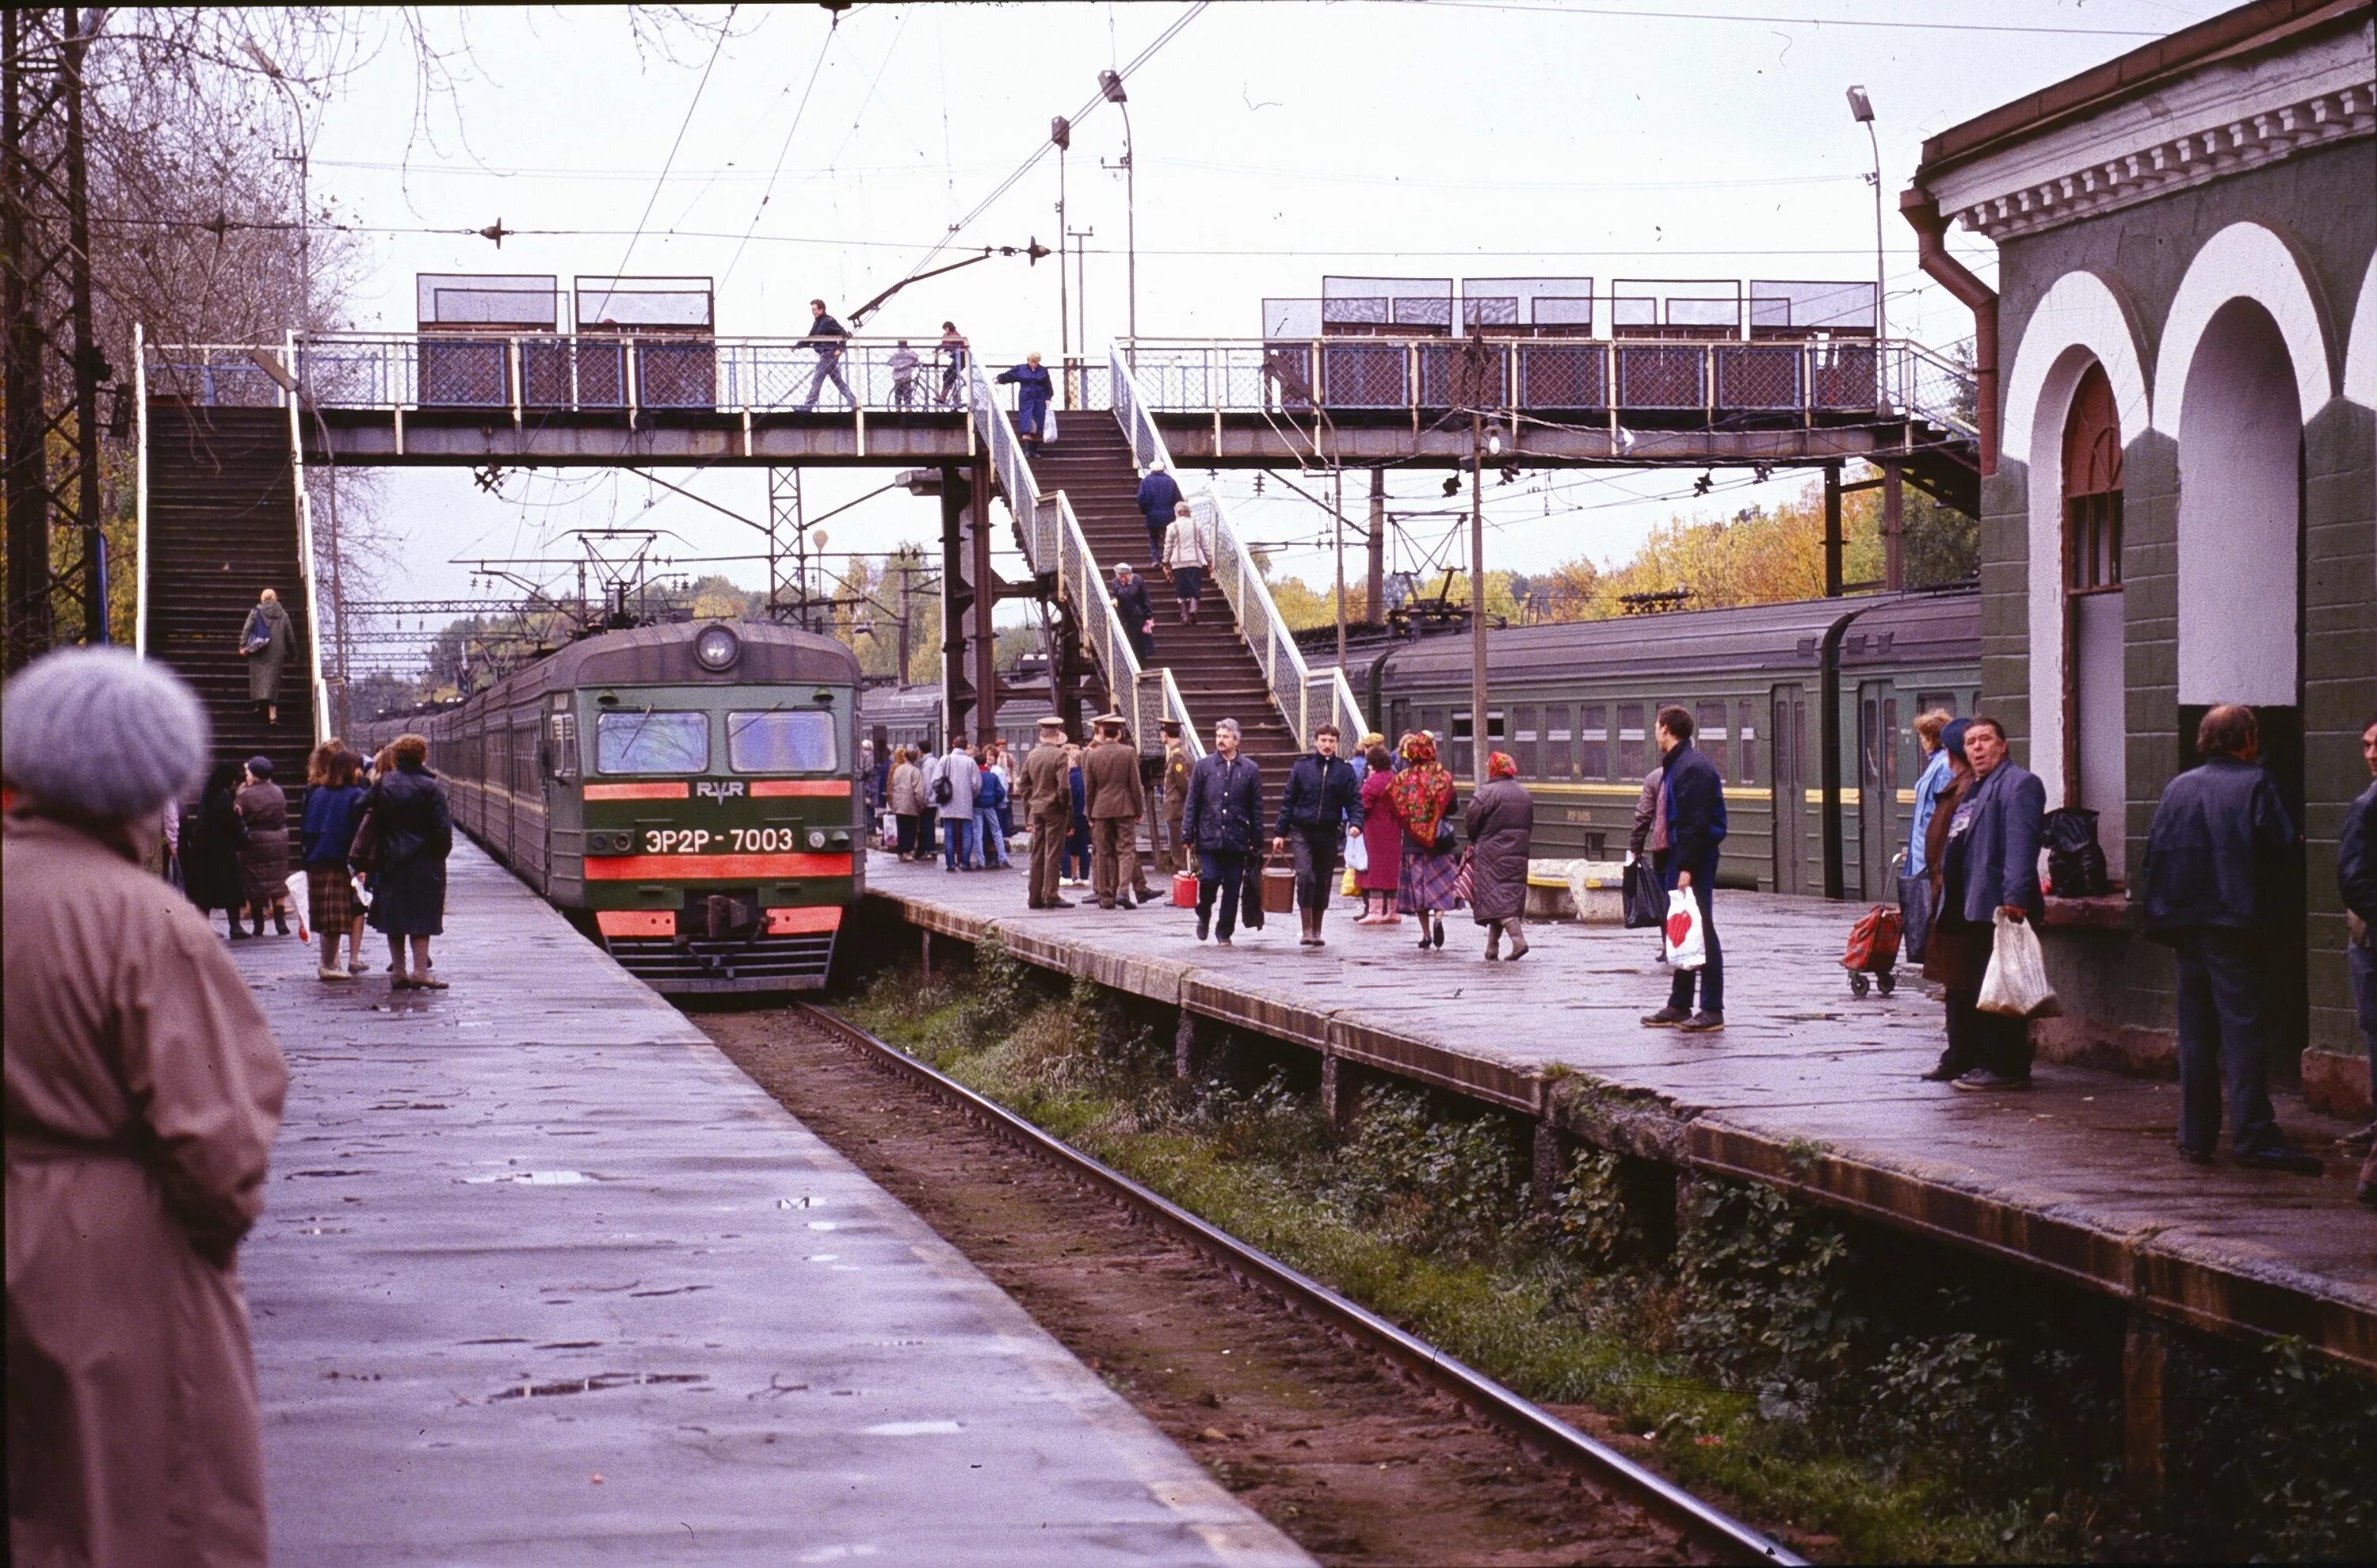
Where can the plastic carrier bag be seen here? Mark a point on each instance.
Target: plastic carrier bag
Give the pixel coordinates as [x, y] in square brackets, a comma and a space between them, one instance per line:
[1687, 933]
[1645, 905]
[2017, 982]
[1358, 853]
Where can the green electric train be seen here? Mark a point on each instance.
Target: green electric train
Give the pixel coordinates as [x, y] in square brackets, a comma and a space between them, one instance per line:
[689, 793]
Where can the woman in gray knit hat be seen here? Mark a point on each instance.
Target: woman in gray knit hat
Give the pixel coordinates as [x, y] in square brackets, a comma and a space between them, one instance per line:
[143, 1092]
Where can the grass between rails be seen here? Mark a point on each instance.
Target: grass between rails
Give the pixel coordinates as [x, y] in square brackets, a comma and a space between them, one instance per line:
[1877, 1409]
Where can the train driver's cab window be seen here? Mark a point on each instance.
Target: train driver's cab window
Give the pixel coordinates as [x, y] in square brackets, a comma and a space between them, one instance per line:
[651, 743]
[773, 742]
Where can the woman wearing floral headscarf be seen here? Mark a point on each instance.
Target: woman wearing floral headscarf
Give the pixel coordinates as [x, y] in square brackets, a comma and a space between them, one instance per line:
[1501, 825]
[1422, 797]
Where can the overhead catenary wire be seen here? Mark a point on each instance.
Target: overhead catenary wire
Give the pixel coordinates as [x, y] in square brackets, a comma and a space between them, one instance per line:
[716, 47]
[799, 110]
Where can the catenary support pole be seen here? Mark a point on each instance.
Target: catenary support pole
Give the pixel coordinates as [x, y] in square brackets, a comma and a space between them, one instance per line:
[1374, 609]
[1481, 729]
[1832, 586]
[1893, 527]
[985, 608]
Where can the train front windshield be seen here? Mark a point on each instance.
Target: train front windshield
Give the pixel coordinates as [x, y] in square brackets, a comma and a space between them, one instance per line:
[777, 742]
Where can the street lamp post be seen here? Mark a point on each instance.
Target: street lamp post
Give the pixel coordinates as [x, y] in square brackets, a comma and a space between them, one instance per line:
[1861, 110]
[1061, 131]
[1110, 84]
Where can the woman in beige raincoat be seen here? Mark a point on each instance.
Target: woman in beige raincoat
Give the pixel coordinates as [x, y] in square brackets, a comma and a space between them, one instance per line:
[143, 1089]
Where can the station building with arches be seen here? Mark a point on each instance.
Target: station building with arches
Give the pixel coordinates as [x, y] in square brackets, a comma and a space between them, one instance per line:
[2178, 393]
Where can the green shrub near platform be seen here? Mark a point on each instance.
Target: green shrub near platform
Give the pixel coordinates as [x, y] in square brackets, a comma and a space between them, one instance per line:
[1872, 1396]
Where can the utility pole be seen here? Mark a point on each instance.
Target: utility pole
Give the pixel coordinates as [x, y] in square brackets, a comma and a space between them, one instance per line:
[907, 587]
[1061, 131]
[1479, 729]
[1337, 526]
[1110, 83]
[1081, 279]
[1375, 611]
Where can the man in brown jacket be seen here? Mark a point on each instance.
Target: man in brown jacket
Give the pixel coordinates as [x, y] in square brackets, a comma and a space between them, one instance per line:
[143, 1091]
[1047, 804]
[1175, 796]
[1110, 785]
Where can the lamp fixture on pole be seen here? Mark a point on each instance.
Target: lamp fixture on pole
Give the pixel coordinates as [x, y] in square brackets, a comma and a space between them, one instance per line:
[1110, 83]
[1861, 111]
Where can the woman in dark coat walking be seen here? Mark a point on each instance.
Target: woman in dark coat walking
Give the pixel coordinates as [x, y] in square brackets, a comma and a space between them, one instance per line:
[1501, 825]
[266, 642]
[415, 834]
[264, 855]
[212, 837]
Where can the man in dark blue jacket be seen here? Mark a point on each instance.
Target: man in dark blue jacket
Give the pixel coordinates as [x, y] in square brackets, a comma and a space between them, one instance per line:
[2213, 856]
[1694, 796]
[1322, 797]
[2356, 878]
[1159, 492]
[1138, 616]
[827, 336]
[1223, 820]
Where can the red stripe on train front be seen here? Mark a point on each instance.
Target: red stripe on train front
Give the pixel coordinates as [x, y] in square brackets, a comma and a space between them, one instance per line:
[713, 867]
[803, 922]
[763, 789]
[636, 791]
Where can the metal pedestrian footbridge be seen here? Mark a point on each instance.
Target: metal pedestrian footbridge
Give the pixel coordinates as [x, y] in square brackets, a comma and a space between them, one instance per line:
[1667, 385]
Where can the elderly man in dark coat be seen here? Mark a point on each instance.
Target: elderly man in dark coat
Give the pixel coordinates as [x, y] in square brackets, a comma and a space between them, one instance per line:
[2214, 854]
[143, 1092]
[1501, 826]
[1991, 853]
[1137, 613]
[264, 853]
[1321, 797]
[1223, 817]
[266, 641]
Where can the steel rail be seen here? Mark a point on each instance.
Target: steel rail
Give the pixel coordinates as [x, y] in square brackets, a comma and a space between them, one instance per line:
[1703, 1524]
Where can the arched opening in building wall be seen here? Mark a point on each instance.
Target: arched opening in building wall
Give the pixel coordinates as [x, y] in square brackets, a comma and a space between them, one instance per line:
[2096, 684]
[2241, 586]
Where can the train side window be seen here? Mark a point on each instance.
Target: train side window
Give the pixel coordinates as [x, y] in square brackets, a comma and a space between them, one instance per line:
[1524, 742]
[1592, 740]
[1943, 701]
[1708, 724]
[1558, 743]
[562, 738]
[1633, 743]
[1745, 742]
[651, 743]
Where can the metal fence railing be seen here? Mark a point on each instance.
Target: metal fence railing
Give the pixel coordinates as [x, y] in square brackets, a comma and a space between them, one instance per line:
[581, 372]
[1828, 379]
[1304, 699]
[1054, 541]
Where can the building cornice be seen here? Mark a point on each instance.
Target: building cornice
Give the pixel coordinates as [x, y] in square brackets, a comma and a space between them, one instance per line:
[2221, 120]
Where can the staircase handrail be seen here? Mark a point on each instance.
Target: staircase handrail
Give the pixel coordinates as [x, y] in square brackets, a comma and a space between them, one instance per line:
[1294, 687]
[1914, 360]
[139, 493]
[1054, 541]
[306, 572]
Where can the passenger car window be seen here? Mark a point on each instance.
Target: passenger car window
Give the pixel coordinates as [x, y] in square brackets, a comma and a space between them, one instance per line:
[651, 743]
[772, 742]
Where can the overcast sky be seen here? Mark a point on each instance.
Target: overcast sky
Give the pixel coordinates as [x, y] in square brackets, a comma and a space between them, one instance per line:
[1275, 142]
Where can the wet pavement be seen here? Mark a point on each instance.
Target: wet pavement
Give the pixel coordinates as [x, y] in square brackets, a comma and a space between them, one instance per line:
[542, 1277]
[1808, 1087]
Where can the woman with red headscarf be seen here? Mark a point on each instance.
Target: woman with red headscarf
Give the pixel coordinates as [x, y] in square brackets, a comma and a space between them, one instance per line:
[1501, 825]
[1422, 797]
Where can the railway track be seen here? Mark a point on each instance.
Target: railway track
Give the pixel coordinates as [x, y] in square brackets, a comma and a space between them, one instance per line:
[1703, 1525]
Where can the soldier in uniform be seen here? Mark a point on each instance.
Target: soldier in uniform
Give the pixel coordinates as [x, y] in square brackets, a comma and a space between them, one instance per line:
[1110, 780]
[1175, 792]
[1048, 806]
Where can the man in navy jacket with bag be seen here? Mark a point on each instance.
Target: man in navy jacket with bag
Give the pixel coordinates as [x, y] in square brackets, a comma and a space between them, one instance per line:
[2212, 858]
[1992, 869]
[1694, 796]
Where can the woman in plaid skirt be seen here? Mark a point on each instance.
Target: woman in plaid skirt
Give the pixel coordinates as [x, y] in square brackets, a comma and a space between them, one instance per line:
[333, 805]
[1422, 797]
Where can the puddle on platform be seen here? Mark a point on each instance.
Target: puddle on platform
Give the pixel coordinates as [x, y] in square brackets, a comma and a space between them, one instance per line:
[525, 1179]
[594, 1384]
[913, 1429]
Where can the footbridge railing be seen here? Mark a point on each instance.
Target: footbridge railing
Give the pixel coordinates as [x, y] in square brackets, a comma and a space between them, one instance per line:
[1305, 699]
[1054, 541]
[1819, 380]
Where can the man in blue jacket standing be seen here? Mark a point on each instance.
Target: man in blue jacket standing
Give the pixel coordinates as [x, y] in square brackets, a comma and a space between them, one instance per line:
[1223, 818]
[1694, 796]
[2356, 878]
[2213, 856]
[1322, 797]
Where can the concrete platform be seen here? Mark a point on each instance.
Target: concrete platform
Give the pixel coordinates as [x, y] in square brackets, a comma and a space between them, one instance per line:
[1807, 1088]
[544, 1278]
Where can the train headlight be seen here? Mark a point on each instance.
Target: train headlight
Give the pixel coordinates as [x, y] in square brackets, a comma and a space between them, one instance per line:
[717, 648]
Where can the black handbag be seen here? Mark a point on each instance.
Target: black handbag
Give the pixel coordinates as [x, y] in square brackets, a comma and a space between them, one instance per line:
[1645, 900]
